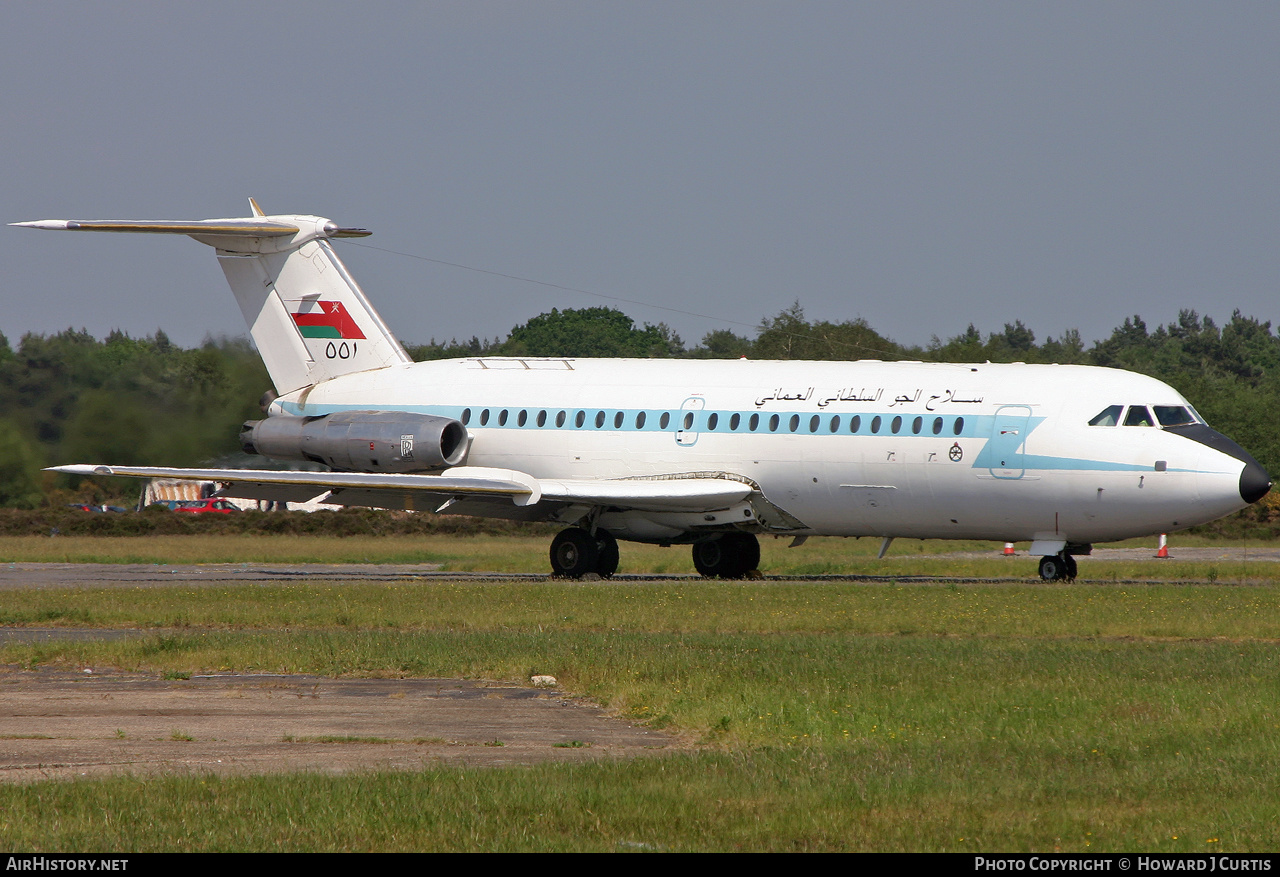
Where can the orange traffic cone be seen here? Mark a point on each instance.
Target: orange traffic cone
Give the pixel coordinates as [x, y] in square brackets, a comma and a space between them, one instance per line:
[1164, 546]
[1008, 549]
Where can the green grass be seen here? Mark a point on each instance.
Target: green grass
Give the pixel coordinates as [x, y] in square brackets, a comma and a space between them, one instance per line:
[1005, 610]
[820, 716]
[807, 742]
[853, 798]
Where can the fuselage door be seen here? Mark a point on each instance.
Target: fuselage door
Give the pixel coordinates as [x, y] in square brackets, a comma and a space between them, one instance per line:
[1008, 441]
[687, 425]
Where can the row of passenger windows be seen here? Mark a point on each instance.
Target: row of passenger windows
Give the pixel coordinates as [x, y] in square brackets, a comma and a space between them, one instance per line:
[1140, 415]
[754, 422]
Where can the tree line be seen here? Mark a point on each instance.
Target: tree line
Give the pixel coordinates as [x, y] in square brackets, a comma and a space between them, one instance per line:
[71, 398]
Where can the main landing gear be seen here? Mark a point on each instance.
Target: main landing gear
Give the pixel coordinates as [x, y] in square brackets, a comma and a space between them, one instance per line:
[1058, 567]
[728, 556]
[576, 553]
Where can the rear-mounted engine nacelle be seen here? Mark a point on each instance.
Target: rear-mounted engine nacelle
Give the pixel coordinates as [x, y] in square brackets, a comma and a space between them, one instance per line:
[360, 441]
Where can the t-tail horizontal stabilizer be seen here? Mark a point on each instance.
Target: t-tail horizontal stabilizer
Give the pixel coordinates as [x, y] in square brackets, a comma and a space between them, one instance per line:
[308, 317]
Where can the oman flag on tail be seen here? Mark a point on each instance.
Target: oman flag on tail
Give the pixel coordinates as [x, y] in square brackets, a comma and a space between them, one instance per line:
[325, 319]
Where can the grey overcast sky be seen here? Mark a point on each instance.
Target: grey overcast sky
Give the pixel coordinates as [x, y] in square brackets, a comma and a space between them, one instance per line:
[919, 165]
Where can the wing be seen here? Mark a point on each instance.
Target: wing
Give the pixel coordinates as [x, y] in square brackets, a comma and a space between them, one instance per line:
[471, 490]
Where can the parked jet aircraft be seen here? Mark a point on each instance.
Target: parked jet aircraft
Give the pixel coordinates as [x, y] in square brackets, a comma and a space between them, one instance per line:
[707, 453]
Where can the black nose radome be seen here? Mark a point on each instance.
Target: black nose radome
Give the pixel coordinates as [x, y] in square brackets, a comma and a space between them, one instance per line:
[1254, 482]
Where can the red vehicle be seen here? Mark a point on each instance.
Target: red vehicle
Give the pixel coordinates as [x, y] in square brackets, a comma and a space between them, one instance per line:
[199, 506]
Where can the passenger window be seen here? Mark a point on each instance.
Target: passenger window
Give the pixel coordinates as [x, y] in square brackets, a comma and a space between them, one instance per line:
[959, 427]
[856, 423]
[599, 419]
[522, 418]
[734, 421]
[617, 420]
[712, 421]
[640, 420]
[795, 422]
[937, 426]
[542, 418]
[484, 417]
[1173, 415]
[835, 423]
[896, 425]
[875, 424]
[773, 423]
[466, 416]
[1108, 416]
[502, 417]
[665, 420]
[560, 419]
[1138, 416]
[917, 425]
[813, 423]
[754, 423]
[579, 419]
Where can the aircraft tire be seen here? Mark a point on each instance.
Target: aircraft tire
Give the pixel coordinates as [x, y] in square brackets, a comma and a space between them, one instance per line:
[607, 554]
[1053, 568]
[730, 556]
[574, 553]
[747, 547]
[707, 557]
[1072, 569]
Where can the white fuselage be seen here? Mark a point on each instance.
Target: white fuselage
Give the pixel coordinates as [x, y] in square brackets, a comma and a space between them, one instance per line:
[706, 452]
[866, 448]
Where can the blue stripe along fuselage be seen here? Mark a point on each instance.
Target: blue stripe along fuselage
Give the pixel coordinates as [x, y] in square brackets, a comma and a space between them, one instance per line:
[878, 424]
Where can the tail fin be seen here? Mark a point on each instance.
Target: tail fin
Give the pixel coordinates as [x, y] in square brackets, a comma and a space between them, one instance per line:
[307, 315]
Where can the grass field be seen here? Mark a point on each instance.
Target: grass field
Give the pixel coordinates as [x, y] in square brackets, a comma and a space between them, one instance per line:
[1104, 715]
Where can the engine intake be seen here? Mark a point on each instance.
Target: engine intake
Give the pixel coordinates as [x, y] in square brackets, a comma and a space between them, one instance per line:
[360, 441]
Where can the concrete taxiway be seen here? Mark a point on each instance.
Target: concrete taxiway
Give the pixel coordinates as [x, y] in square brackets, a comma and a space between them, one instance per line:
[59, 725]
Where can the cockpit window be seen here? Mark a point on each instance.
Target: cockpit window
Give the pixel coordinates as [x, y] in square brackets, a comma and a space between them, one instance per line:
[1138, 416]
[1109, 416]
[1173, 415]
